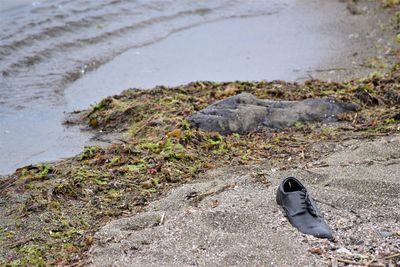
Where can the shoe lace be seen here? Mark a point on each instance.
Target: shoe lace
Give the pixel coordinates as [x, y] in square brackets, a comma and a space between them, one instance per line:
[306, 204]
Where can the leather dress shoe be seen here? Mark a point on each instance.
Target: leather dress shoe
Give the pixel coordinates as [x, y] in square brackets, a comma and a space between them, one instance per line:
[300, 209]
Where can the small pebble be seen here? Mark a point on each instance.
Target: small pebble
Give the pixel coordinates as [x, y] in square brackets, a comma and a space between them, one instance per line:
[386, 234]
[316, 251]
[343, 251]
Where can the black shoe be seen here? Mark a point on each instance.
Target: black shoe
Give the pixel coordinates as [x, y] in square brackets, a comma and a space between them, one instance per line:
[300, 209]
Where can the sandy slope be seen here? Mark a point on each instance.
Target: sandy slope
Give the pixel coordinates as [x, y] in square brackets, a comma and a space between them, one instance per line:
[231, 217]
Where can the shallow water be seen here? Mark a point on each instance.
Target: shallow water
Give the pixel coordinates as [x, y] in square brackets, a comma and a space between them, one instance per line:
[57, 56]
[221, 51]
[47, 45]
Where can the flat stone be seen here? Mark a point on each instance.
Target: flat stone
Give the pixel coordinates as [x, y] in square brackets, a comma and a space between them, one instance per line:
[245, 113]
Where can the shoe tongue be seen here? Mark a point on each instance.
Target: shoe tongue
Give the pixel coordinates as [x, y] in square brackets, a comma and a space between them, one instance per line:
[294, 200]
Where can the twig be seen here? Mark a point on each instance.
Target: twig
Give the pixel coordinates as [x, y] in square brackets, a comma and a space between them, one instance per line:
[326, 203]
[392, 256]
[326, 70]
[143, 124]
[122, 140]
[162, 219]
[6, 183]
[196, 199]
[370, 262]
[355, 120]
[360, 263]
[350, 262]
[18, 243]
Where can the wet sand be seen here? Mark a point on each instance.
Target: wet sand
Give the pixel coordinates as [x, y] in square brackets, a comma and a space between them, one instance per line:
[12, 4]
[305, 39]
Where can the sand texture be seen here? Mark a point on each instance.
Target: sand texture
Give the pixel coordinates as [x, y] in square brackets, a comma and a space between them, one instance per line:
[230, 218]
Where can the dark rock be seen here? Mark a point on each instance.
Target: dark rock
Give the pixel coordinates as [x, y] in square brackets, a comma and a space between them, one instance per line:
[353, 8]
[245, 113]
[366, 98]
[392, 97]
[173, 179]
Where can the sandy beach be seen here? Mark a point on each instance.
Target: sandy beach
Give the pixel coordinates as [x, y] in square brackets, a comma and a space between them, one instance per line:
[238, 222]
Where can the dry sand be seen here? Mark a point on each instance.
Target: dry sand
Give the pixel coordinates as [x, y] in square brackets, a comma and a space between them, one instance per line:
[230, 218]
